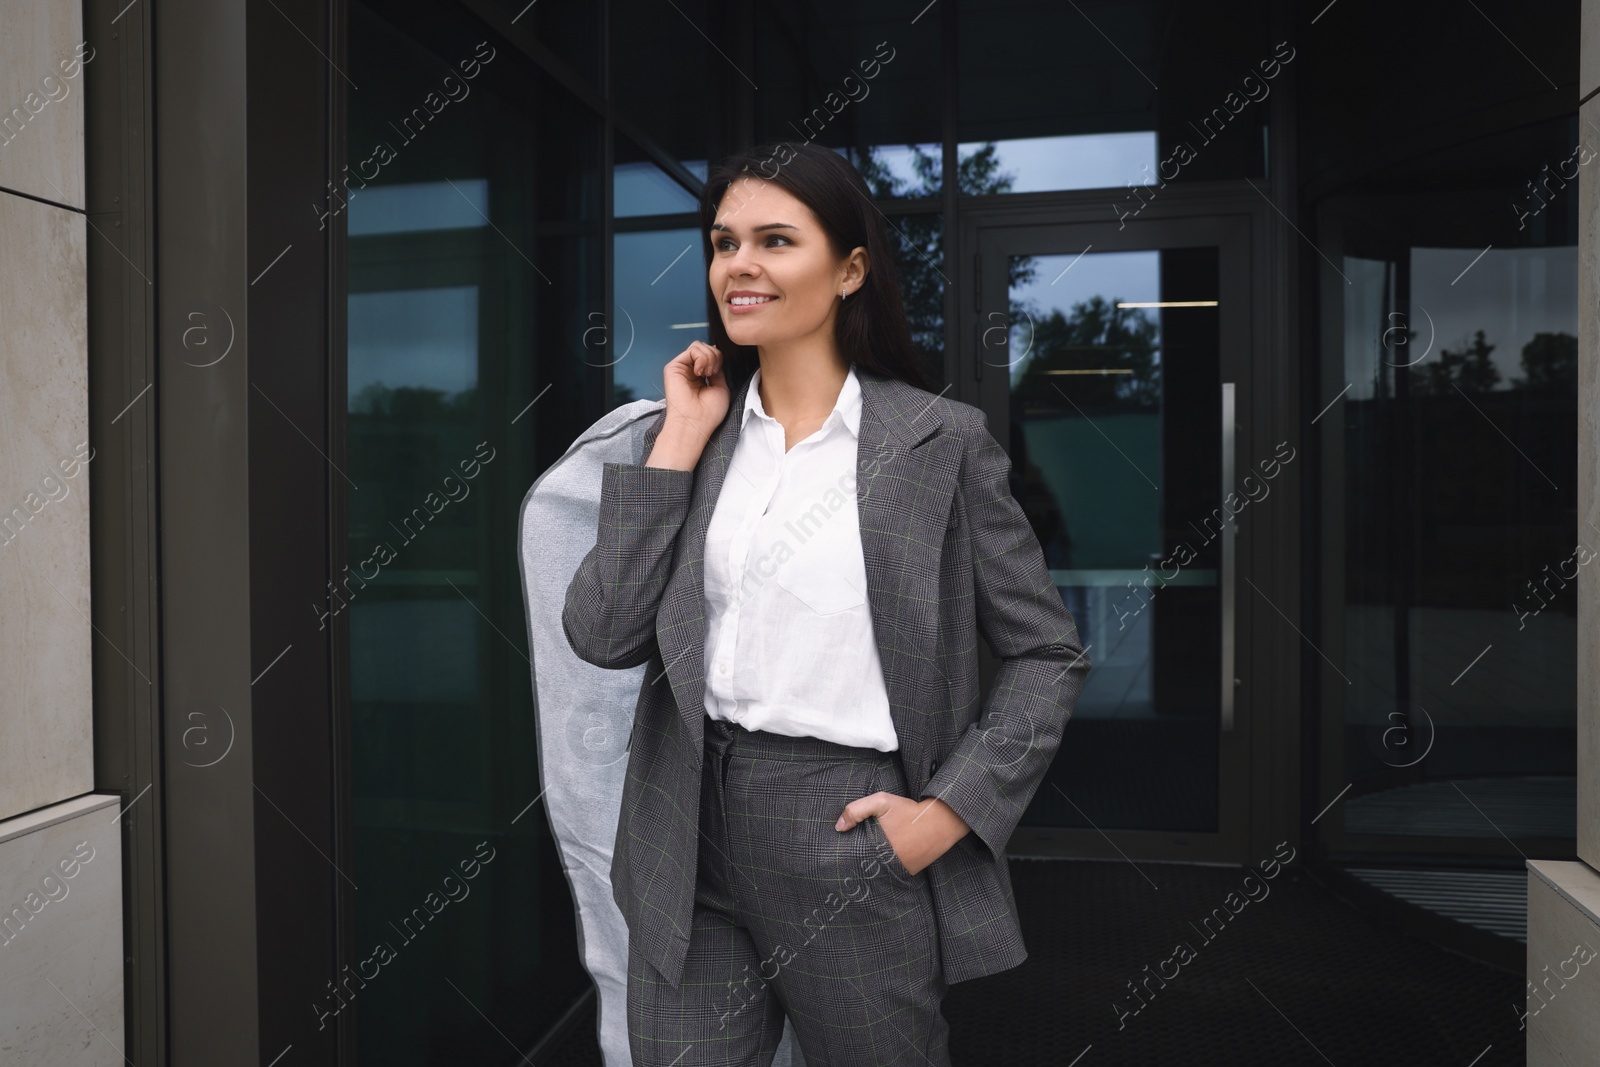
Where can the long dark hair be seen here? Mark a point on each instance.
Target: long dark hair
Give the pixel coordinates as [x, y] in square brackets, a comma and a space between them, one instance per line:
[871, 327]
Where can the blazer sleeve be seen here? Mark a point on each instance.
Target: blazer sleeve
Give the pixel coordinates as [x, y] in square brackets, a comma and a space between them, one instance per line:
[996, 766]
[610, 612]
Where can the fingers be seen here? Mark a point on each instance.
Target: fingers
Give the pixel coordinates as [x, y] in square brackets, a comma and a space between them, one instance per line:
[685, 378]
[856, 810]
[704, 359]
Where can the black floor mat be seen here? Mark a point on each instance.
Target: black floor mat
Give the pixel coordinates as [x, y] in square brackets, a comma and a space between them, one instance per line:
[1293, 977]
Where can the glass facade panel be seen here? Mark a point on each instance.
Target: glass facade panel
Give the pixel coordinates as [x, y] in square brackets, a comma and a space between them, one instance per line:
[472, 261]
[1450, 512]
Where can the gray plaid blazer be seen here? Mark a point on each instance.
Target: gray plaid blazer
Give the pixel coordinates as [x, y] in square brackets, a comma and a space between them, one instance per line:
[949, 555]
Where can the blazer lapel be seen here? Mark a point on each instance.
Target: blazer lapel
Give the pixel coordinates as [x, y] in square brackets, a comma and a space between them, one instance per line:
[906, 479]
[907, 473]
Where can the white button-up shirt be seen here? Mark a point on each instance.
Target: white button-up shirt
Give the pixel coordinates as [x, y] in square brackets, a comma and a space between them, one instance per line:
[789, 640]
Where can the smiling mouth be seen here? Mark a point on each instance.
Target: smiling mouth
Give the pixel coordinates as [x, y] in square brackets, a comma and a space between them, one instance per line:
[749, 301]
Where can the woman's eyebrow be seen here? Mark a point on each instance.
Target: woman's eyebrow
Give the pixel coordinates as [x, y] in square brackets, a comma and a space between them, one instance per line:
[758, 229]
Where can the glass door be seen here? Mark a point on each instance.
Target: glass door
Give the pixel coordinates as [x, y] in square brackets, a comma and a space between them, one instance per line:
[1112, 362]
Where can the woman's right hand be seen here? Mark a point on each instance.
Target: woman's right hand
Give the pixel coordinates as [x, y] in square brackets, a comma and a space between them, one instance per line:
[697, 401]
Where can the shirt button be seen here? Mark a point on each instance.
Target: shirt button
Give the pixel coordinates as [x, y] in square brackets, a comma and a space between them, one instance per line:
[722, 668]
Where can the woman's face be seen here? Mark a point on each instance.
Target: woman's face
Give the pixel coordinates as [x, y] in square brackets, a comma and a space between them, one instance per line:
[766, 244]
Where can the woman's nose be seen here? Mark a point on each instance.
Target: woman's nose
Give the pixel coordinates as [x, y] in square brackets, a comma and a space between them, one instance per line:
[741, 265]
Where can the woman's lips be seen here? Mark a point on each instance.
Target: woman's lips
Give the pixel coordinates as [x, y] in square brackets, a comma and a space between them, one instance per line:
[739, 309]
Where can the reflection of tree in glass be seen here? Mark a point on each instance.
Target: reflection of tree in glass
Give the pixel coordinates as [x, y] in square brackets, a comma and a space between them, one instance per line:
[415, 402]
[976, 175]
[1470, 370]
[919, 254]
[919, 257]
[1549, 361]
[1122, 342]
[403, 443]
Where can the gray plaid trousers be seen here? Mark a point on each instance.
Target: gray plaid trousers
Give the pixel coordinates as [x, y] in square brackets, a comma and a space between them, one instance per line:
[794, 917]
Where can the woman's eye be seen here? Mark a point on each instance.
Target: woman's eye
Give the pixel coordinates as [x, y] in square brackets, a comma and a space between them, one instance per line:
[723, 243]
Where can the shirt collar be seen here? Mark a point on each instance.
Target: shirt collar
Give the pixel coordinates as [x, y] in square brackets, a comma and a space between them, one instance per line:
[846, 409]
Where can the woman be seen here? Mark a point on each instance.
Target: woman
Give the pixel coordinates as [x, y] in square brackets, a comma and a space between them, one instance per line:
[817, 803]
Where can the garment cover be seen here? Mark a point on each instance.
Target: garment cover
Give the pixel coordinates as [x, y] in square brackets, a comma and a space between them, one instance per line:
[584, 713]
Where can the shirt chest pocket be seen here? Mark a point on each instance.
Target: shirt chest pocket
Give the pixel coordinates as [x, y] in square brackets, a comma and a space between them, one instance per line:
[827, 574]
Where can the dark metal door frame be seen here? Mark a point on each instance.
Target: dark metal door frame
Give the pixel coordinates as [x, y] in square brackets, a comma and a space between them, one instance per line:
[1257, 757]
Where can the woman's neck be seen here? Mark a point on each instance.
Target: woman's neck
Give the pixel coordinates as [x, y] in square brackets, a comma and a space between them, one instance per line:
[801, 390]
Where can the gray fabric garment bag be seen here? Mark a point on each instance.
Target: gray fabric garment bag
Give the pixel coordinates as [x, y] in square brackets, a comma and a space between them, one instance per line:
[585, 713]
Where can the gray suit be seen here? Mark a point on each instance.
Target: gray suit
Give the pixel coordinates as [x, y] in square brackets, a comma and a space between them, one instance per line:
[949, 555]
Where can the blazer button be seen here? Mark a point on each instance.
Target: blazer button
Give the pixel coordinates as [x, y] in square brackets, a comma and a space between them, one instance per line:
[933, 768]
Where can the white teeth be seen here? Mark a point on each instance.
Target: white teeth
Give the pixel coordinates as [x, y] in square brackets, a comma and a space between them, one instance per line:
[741, 300]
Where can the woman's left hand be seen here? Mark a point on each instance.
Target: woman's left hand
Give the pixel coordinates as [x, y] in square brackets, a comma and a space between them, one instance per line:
[918, 831]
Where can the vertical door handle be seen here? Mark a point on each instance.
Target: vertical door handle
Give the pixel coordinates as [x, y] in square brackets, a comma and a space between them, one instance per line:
[1225, 577]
